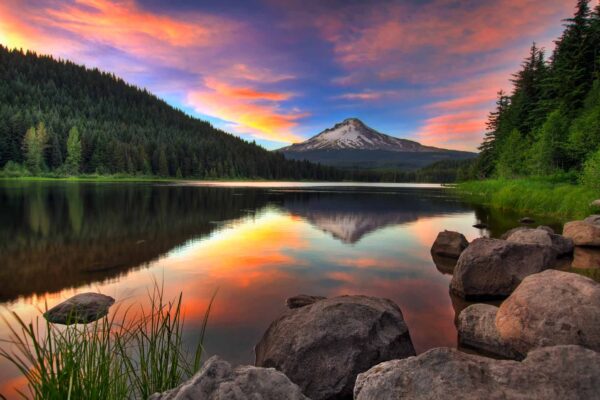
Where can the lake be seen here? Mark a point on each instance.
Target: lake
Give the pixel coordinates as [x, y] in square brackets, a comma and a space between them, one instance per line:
[256, 243]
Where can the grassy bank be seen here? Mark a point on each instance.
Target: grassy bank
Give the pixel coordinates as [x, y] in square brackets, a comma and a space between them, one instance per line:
[131, 354]
[536, 196]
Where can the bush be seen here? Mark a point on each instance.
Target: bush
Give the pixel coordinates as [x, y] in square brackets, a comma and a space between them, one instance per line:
[590, 176]
[14, 170]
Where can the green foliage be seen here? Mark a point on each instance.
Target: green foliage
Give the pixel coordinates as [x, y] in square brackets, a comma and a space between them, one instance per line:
[551, 121]
[591, 172]
[73, 161]
[538, 196]
[121, 129]
[14, 170]
[121, 357]
[34, 146]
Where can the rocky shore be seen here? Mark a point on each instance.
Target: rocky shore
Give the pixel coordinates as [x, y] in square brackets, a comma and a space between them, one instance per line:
[543, 341]
[540, 340]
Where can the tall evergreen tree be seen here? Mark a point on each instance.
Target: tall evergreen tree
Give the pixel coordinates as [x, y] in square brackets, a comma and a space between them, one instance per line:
[34, 146]
[73, 161]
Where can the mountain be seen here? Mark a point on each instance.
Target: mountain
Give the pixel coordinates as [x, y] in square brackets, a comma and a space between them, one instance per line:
[351, 143]
[123, 129]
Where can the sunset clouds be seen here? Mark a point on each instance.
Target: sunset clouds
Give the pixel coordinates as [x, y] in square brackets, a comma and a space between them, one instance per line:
[280, 71]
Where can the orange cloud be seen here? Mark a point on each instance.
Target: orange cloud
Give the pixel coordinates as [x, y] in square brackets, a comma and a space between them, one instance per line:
[248, 109]
[460, 129]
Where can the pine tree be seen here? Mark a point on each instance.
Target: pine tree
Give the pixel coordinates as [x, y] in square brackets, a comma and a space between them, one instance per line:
[34, 146]
[73, 162]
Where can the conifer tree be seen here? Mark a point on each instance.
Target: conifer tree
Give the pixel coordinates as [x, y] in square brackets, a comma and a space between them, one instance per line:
[73, 162]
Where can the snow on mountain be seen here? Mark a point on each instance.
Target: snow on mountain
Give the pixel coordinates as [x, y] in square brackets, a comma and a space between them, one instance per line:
[352, 133]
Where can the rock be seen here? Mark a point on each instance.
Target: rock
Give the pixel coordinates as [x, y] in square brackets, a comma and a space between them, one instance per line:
[493, 268]
[480, 225]
[593, 219]
[477, 329]
[546, 228]
[506, 234]
[302, 300]
[445, 265]
[551, 308]
[595, 203]
[582, 233]
[586, 257]
[449, 244]
[80, 309]
[551, 373]
[323, 346]
[527, 220]
[217, 380]
[542, 237]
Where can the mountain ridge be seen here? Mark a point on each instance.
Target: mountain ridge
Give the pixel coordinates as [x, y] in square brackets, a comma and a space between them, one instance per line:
[353, 144]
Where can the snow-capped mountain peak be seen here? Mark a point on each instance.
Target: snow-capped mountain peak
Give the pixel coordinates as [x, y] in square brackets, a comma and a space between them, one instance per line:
[353, 134]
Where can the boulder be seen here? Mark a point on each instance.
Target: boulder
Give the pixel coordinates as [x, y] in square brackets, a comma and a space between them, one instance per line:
[477, 329]
[586, 257]
[542, 237]
[80, 309]
[551, 373]
[449, 244]
[582, 233]
[551, 308]
[445, 265]
[217, 380]
[506, 234]
[546, 228]
[595, 203]
[323, 346]
[593, 219]
[493, 268]
[302, 300]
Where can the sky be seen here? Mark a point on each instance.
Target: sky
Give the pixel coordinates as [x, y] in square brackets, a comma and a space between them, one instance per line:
[281, 71]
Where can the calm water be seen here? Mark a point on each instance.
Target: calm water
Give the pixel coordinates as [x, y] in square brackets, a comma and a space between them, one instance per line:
[256, 243]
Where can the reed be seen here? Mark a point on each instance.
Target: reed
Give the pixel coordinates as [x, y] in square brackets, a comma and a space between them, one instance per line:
[128, 355]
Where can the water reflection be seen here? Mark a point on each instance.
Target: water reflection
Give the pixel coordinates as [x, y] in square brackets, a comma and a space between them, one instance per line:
[258, 246]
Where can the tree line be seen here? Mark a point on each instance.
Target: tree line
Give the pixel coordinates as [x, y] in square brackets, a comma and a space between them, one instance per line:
[62, 118]
[550, 123]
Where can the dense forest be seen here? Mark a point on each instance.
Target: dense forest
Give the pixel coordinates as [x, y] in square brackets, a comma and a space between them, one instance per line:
[550, 124]
[58, 117]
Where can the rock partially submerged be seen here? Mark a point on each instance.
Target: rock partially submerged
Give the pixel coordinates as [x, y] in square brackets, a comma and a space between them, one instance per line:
[551, 308]
[583, 233]
[80, 309]
[493, 268]
[542, 237]
[477, 329]
[480, 225]
[449, 244]
[551, 373]
[323, 346]
[445, 265]
[302, 300]
[218, 380]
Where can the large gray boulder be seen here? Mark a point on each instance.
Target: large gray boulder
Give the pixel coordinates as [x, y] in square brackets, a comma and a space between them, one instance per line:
[449, 244]
[595, 203]
[551, 373]
[80, 309]
[323, 346]
[477, 329]
[542, 237]
[551, 308]
[218, 380]
[493, 268]
[582, 233]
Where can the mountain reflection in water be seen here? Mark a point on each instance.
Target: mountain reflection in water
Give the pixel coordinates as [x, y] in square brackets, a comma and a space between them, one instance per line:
[257, 245]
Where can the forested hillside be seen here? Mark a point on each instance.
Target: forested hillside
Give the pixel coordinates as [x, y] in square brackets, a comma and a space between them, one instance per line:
[550, 123]
[56, 116]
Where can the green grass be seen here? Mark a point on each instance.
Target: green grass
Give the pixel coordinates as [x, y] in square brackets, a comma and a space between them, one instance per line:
[127, 356]
[536, 196]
